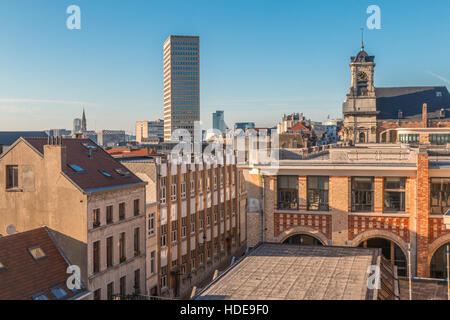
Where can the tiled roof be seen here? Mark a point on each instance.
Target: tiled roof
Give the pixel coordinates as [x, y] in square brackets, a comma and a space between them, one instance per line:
[23, 276]
[7, 138]
[410, 101]
[91, 178]
[298, 127]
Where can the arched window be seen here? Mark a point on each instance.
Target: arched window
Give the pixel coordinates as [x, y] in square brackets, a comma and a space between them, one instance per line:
[303, 239]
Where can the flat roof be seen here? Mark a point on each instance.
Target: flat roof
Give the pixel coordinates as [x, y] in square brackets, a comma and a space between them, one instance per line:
[292, 272]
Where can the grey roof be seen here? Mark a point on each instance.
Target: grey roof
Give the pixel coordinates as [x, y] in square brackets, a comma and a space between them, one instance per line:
[362, 56]
[7, 138]
[410, 101]
[293, 272]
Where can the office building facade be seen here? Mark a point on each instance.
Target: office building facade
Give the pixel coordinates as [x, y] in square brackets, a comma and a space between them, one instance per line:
[181, 84]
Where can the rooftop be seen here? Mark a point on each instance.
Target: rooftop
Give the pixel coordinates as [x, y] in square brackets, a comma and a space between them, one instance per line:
[99, 170]
[290, 272]
[34, 267]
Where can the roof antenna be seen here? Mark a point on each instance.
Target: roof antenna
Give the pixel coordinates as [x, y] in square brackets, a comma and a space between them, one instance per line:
[362, 39]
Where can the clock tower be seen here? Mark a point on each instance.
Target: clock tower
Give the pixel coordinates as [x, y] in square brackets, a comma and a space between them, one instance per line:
[360, 112]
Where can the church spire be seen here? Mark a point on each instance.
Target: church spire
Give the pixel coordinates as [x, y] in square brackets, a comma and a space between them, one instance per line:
[83, 122]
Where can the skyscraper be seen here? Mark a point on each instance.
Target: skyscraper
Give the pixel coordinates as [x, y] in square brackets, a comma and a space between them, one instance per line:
[76, 126]
[218, 119]
[181, 84]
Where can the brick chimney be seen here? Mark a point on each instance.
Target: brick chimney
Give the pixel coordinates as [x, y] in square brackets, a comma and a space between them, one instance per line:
[425, 115]
[55, 154]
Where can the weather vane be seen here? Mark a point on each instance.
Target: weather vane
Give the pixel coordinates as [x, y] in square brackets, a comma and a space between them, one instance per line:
[362, 39]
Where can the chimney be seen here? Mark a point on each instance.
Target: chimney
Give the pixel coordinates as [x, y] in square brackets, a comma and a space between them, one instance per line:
[55, 154]
[425, 115]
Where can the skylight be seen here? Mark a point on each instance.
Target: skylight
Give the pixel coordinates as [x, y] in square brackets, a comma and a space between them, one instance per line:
[58, 292]
[123, 172]
[88, 146]
[37, 253]
[2, 267]
[106, 174]
[76, 168]
[40, 296]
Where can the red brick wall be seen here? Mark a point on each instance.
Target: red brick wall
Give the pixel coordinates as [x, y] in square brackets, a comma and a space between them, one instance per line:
[397, 226]
[436, 229]
[319, 222]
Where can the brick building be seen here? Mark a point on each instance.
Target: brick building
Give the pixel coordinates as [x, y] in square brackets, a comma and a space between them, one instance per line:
[380, 195]
[373, 114]
[196, 221]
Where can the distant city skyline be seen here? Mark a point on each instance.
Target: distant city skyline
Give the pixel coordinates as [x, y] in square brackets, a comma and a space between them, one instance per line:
[259, 60]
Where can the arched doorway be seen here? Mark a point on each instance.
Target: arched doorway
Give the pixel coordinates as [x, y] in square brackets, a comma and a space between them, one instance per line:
[390, 250]
[438, 264]
[303, 239]
[362, 137]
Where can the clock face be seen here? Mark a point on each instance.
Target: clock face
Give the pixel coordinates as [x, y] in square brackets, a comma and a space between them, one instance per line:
[362, 76]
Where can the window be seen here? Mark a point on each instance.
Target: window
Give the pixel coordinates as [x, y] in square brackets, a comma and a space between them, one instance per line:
[162, 195]
[318, 193]
[151, 224]
[183, 187]
[109, 252]
[110, 290]
[183, 227]
[192, 187]
[362, 194]
[394, 194]
[40, 296]
[215, 214]
[137, 281]
[173, 195]
[122, 252]
[109, 214]
[37, 253]
[96, 218]
[123, 172]
[152, 262]
[208, 249]
[76, 168]
[174, 230]
[58, 292]
[98, 294]
[164, 277]
[193, 252]
[440, 195]
[12, 177]
[106, 174]
[164, 235]
[208, 218]
[192, 220]
[136, 207]
[2, 267]
[201, 217]
[288, 192]
[123, 286]
[121, 210]
[136, 242]
[96, 256]
[200, 182]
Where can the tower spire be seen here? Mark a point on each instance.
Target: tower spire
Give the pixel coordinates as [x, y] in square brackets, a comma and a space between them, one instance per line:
[83, 122]
[362, 39]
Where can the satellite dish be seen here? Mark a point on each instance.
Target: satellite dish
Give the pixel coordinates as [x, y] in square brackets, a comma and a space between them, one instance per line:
[10, 229]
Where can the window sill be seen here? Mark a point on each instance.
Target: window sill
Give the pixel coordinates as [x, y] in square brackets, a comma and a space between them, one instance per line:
[377, 214]
[14, 190]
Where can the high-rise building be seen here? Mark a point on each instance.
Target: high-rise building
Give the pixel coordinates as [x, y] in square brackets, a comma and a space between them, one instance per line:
[244, 125]
[218, 119]
[149, 129]
[76, 125]
[181, 84]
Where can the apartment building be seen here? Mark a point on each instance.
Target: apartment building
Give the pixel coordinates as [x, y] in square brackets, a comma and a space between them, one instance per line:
[196, 222]
[149, 131]
[181, 84]
[91, 204]
[380, 195]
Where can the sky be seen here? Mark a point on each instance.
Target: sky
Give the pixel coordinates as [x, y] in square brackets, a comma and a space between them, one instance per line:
[258, 59]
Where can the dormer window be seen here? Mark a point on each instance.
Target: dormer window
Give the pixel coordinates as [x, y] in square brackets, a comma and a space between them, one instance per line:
[438, 94]
[88, 146]
[400, 114]
[442, 113]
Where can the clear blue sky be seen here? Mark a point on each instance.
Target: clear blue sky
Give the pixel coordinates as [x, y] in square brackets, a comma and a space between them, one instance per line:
[258, 59]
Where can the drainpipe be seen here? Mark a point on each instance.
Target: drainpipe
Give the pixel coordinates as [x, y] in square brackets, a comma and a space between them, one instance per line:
[262, 210]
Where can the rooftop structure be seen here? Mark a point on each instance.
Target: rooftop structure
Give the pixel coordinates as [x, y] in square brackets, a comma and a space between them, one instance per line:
[293, 272]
